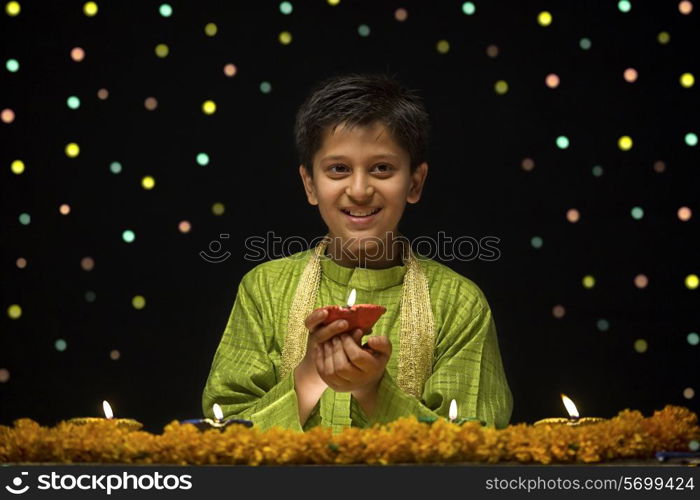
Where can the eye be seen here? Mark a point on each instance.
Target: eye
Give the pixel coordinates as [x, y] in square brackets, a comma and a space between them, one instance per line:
[333, 168]
[385, 170]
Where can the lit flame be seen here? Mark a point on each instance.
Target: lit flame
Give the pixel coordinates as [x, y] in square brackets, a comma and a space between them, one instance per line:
[351, 298]
[218, 414]
[453, 410]
[107, 409]
[570, 406]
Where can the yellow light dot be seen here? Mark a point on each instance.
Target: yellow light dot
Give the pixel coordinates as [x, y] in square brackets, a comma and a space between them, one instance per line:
[209, 107]
[625, 143]
[588, 281]
[691, 281]
[210, 29]
[14, 311]
[443, 46]
[148, 182]
[72, 150]
[64, 209]
[333, 2]
[501, 87]
[218, 208]
[162, 50]
[544, 18]
[663, 37]
[285, 38]
[17, 167]
[139, 302]
[90, 9]
[12, 9]
[687, 80]
[640, 345]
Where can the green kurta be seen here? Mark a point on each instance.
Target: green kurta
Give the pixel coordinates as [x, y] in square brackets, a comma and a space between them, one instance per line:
[245, 374]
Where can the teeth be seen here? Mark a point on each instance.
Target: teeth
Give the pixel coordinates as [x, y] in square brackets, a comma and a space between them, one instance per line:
[361, 214]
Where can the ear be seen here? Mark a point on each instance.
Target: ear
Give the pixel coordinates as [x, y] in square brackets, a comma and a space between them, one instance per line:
[308, 185]
[417, 183]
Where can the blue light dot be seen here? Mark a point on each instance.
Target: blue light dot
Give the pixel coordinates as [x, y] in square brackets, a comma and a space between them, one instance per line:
[115, 167]
[562, 142]
[12, 65]
[637, 213]
[265, 87]
[286, 8]
[203, 159]
[597, 171]
[585, 43]
[624, 5]
[536, 242]
[693, 338]
[363, 30]
[165, 10]
[90, 296]
[60, 345]
[73, 102]
[128, 236]
[25, 219]
[468, 8]
[603, 325]
[691, 139]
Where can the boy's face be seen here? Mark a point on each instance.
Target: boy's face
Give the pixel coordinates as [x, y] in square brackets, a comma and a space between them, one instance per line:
[362, 170]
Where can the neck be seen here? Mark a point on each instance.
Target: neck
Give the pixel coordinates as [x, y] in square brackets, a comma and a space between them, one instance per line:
[374, 254]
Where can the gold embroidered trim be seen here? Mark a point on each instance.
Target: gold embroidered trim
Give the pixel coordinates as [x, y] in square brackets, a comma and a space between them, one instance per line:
[416, 336]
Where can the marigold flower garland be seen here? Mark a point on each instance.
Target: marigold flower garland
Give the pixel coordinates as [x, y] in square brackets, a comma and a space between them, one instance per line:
[628, 435]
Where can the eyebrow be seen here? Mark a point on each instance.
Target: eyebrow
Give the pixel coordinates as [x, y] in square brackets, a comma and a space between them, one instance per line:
[341, 157]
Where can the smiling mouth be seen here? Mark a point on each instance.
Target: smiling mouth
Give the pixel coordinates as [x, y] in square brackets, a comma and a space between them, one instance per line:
[360, 214]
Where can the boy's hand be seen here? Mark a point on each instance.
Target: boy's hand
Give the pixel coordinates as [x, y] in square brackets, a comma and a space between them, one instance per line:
[346, 367]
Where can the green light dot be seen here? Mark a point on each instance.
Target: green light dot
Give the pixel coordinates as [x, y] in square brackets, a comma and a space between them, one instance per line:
[468, 8]
[585, 43]
[624, 5]
[73, 102]
[203, 159]
[60, 345]
[694, 445]
[128, 236]
[12, 65]
[25, 219]
[536, 242]
[603, 325]
[637, 213]
[286, 8]
[693, 338]
[115, 167]
[265, 87]
[588, 281]
[597, 171]
[90, 296]
[691, 139]
[562, 142]
[363, 30]
[640, 345]
[165, 10]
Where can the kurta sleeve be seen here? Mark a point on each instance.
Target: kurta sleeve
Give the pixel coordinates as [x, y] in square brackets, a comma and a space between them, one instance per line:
[243, 379]
[467, 367]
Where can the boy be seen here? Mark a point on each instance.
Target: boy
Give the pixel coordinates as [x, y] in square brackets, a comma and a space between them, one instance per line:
[361, 140]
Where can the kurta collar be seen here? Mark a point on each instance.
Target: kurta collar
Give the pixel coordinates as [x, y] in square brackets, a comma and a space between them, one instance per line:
[363, 278]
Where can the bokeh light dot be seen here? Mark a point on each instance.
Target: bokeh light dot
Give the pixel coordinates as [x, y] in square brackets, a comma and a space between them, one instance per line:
[64, 209]
[544, 18]
[14, 311]
[87, 263]
[7, 115]
[659, 166]
[624, 5]
[151, 103]
[443, 46]
[501, 87]
[641, 281]
[333, 3]
[687, 80]
[77, 54]
[688, 393]
[694, 445]
[492, 51]
[285, 38]
[691, 281]
[184, 227]
[401, 14]
[165, 10]
[203, 159]
[552, 80]
[685, 7]
[114, 355]
[691, 139]
[585, 43]
[60, 345]
[597, 170]
[573, 215]
[25, 219]
[138, 301]
[162, 50]
[286, 8]
[230, 70]
[663, 37]
[148, 182]
[90, 9]
[17, 167]
[562, 142]
[603, 325]
[72, 150]
[73, 102]
[115, 167]
[102, 94]
[128, 236]
[693, 338]
[641, 346]
[13, 9]
[637, 213]
[468, 8]
[558, 311]
[12, 65]
[588, 281]
[684, 214]
[211, 29]
[21, 263]
[265, 87]
[90, 296]
[625, 143]
[630, 75]
[536, 242]
[528, 164]
[218, 208]
[4, 375]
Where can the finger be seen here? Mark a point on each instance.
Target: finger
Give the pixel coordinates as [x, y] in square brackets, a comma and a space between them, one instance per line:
[358, 356]
[343, 368]
[380, 344]
[319, 360]
[315, 318]
[329, 331]
[357, 336]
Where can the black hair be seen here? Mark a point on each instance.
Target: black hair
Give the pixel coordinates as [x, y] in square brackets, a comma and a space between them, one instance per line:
[360, 100]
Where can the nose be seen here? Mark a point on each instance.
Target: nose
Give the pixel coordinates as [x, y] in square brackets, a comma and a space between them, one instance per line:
[360, 187]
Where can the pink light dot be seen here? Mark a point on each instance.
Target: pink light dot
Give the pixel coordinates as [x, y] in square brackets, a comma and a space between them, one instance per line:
[558, 311]
[7, 115]
[151, 103]
[230, 70]
[77, 54]
[184, 227]
[21, 263]
[641, 281]
[659, 166]
[552, 80]
[87, 263]
[4, 375]
[631, 75]
[64, 209]
[685, 7]
[401, 14]
[528, 164]
[114, 354]
[102, 94]
[573, 215]
[684, 214]
[492, 51]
